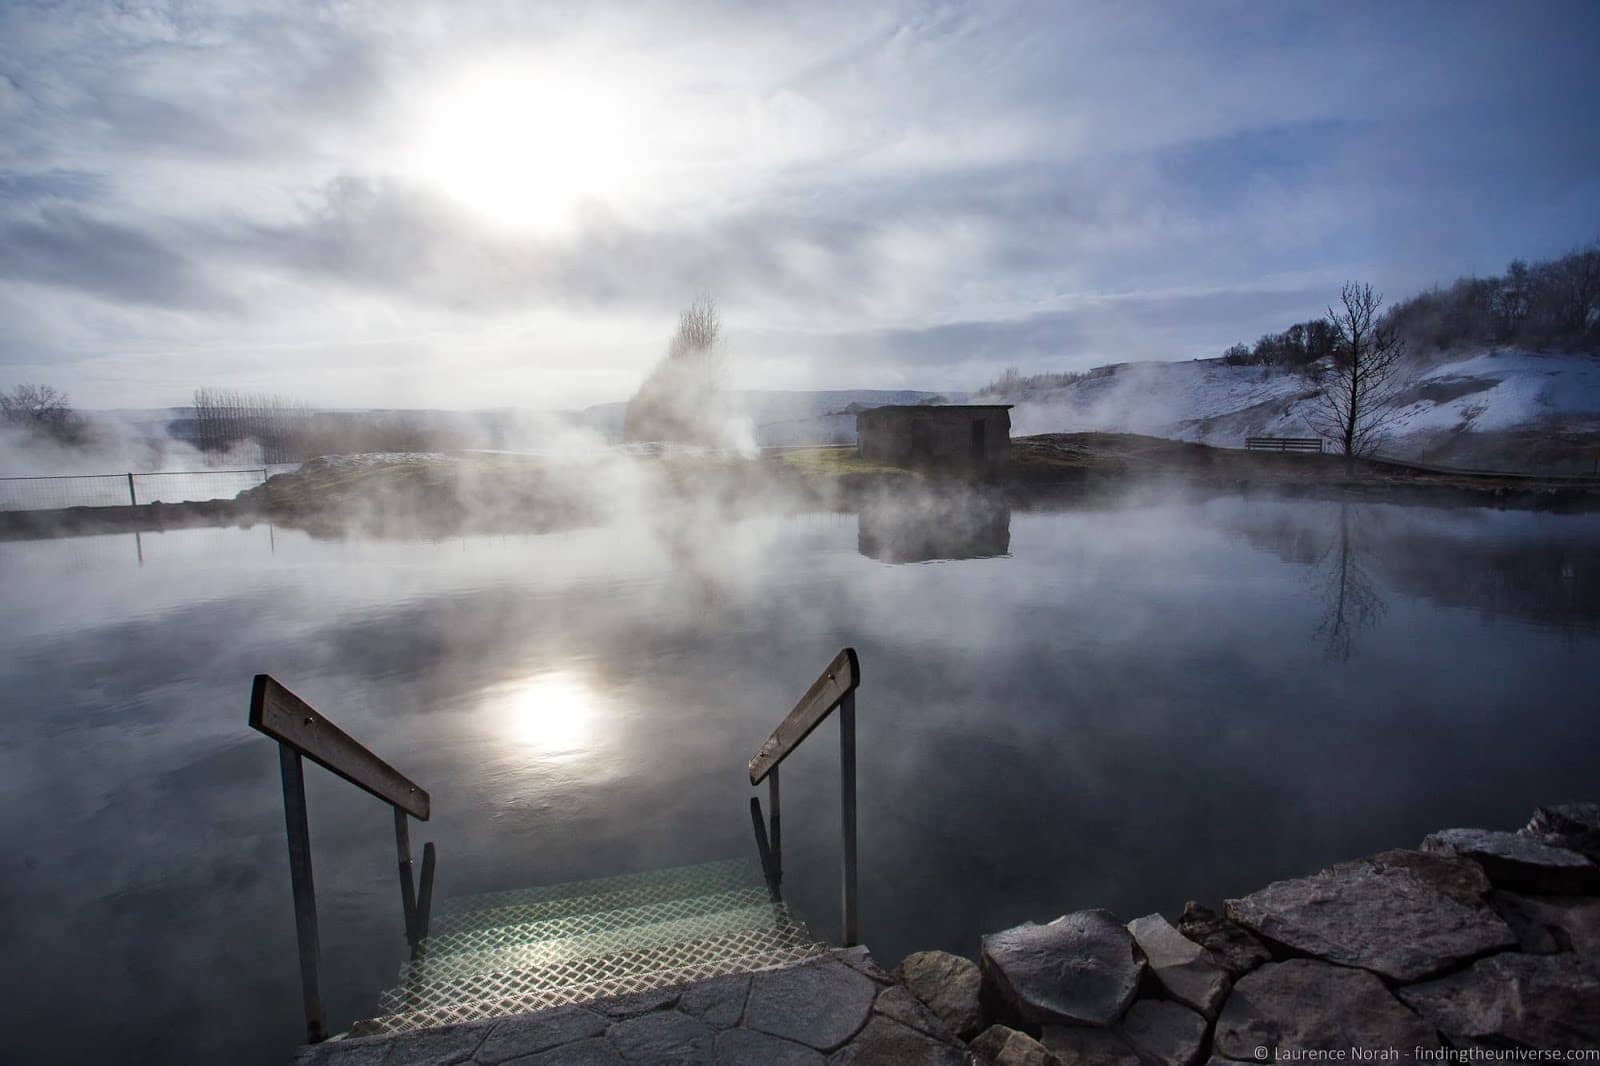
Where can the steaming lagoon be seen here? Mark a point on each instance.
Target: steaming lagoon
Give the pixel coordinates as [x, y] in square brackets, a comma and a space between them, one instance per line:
[1122, 707]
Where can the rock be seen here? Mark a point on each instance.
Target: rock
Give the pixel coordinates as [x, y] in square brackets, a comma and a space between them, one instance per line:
[1183, 968]
[1231, 945]
[858, 958]
[1575, 826]
[1546, 925]
[1533, 935]
[949, 985]
[1538, 1001]
[451, 1043]
[592, 1052]
[1077, 1045]
[1405, 915]
[1003, 1046]
[895, 1002]
[663, 1037]
[1079, 970]
[1304, 1005]
[1164, 1032]
[1517, 861]
[888, 1043]
[533, 1033]
[819, 1004]
[741, 1047]
[718, 1002]
[359, 1051]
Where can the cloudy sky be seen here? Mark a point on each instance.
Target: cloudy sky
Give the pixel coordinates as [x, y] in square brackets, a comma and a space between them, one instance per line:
[476, 205]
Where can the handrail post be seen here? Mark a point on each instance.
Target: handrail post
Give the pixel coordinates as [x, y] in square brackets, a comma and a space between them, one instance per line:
[776, 835]
[424, 896]
[305, 894]
[408, 891]
[133, 499]
[847, 812]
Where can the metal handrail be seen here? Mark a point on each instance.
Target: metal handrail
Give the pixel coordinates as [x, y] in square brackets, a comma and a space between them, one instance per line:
[834, 687]
[301, 731]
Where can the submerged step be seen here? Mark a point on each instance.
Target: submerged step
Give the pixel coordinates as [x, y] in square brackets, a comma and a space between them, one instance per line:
[653, 949]
[550, 902]
[572, 933]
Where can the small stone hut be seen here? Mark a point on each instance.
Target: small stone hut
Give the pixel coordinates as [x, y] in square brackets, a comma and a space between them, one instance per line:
[970, 439]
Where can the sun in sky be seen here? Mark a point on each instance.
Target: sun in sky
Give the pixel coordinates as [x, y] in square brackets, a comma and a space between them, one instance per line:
[528, 146]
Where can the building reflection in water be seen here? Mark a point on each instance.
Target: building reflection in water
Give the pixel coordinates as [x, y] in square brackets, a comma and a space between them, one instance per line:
[922, 529]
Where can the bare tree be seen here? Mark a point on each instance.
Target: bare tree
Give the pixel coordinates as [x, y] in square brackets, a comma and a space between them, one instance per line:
[1358, 398]
[42, 410]
[224, 418]
[676, 401]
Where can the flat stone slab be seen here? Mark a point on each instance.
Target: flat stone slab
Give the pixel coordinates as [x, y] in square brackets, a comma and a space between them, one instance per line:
[1078, 970]
[533, 1033]
[1183, 968]
[1304, 1005]
[739, 1047]
[896, 1003]
[718, 1002]
[842, 1008]
[1518, 861]
[948, 985]
[666, 1037]
[821, 1005]
[1232, 946]
[885, 1042]
[1403, 914]
[1575, 826]
[1537, 1001]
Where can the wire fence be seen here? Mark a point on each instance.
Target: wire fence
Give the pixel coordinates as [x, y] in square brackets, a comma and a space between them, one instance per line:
[122, 490]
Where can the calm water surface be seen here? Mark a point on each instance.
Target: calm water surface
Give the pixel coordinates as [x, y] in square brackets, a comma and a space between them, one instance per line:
[1133, 707]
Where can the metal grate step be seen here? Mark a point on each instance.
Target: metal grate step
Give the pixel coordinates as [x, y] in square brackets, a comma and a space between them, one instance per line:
[583, 897]
[654, 953]
[493, 995]
[729, 871]
[574, 930]
[513, 952]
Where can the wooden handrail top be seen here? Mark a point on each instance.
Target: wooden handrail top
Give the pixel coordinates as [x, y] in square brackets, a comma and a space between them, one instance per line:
[841, 678]
[288, 719]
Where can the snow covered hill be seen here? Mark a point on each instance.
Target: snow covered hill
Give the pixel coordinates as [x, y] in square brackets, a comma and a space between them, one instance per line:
[1504, 408]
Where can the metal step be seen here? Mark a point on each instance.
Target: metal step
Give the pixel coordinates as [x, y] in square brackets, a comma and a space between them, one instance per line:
[493, 995]
[574, 930]
[504, 953]
[657, 949]
[549, 902]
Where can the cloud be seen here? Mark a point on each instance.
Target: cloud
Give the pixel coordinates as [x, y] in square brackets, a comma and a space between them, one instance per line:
[65, 248]
[891, 191]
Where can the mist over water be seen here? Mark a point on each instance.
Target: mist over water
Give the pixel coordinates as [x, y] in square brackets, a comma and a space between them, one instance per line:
[1127, 707]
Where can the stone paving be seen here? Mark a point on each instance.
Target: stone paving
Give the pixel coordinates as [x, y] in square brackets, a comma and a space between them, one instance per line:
[841, 1008]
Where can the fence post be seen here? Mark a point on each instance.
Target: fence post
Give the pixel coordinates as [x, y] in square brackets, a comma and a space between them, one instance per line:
[133, 500]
